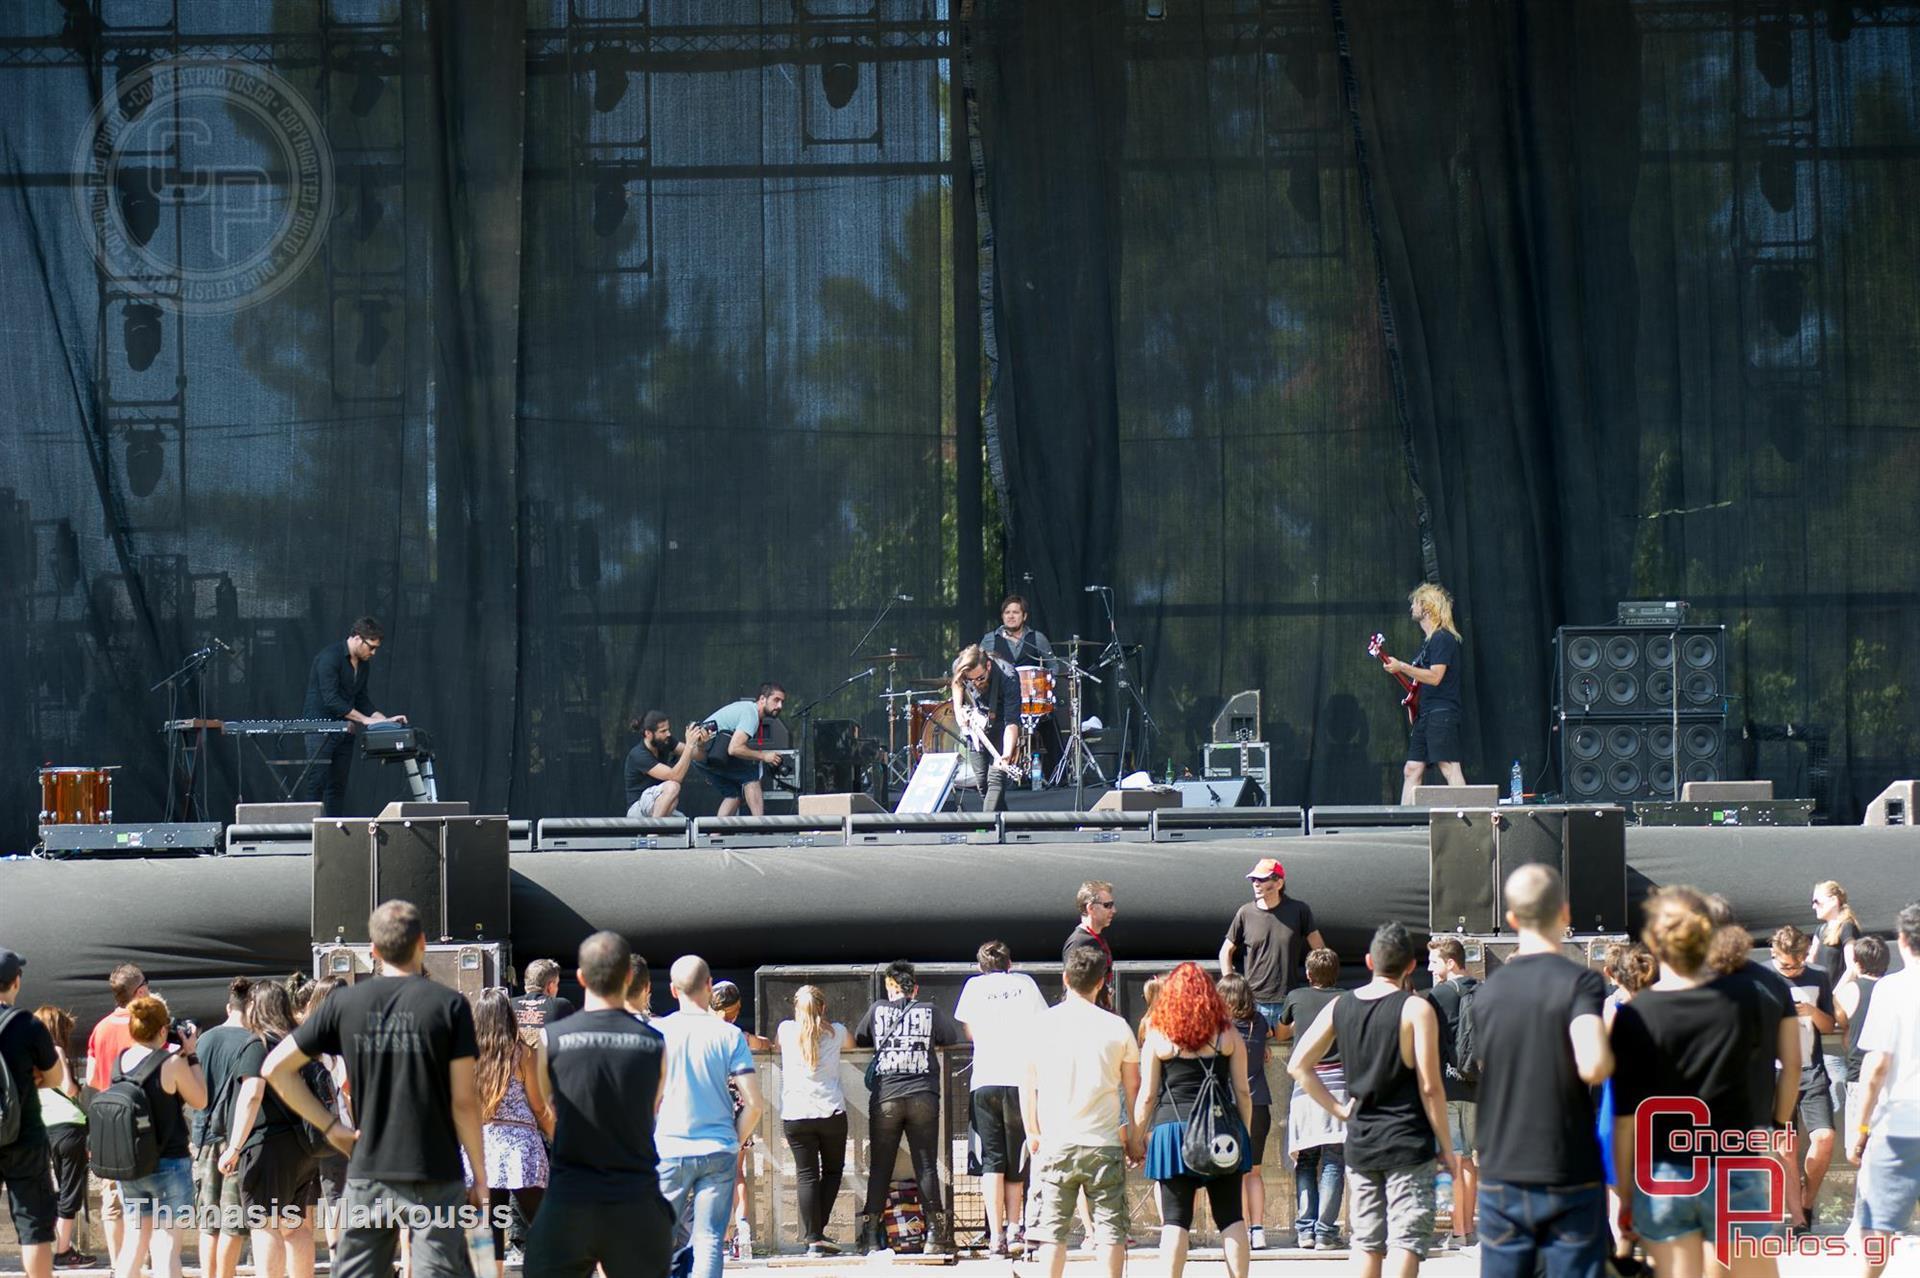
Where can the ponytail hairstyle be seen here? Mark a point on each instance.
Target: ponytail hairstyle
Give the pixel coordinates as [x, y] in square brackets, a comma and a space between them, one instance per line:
[1435, 602]
[810, 1013]
[1830, 932]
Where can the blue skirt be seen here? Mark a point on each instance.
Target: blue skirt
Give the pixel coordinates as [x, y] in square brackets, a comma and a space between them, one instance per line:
[1163, 1154]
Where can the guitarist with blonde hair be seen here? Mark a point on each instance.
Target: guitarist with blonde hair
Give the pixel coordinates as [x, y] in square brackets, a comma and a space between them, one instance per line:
[1433, 677]
[986, 705]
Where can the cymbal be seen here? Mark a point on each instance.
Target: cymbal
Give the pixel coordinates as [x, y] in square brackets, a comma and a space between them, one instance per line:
[934, 681]
[891, 654]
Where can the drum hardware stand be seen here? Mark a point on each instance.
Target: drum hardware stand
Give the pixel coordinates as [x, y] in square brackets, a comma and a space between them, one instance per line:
[1115, 655]
[1076, 755]
[177, 746]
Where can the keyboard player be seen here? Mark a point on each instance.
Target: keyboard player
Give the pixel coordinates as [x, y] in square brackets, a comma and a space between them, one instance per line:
[337, 689]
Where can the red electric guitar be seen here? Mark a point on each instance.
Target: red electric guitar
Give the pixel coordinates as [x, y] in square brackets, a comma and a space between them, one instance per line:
[1377, 649]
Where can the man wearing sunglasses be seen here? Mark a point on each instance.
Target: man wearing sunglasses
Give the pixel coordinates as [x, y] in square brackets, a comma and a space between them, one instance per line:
[1271, 935]
[337, 689]
[1097, 910]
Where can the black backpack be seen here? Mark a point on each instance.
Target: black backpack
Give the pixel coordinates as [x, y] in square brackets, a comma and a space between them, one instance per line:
[11, 1101]
[121, 1142]
[319, 1080]
[1215, 1141]
[1461, 1056]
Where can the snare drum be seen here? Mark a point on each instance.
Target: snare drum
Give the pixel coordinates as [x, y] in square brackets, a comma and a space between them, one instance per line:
[1036, 692]
[76, 796]
[920, 715]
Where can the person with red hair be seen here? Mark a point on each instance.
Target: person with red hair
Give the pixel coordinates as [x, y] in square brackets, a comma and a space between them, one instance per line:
[1190, 1037]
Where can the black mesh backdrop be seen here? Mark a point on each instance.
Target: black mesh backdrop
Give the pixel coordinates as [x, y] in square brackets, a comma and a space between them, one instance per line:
[1619, 286]
[637, 361]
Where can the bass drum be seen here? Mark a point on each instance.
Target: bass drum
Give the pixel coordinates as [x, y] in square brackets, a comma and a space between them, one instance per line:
[936, 731]
[941, 733]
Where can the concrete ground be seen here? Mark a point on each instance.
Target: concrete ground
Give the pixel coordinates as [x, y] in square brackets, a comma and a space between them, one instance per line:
[1142, 1262]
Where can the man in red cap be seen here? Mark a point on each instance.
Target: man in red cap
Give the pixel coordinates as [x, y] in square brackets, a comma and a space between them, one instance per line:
[1272, 935]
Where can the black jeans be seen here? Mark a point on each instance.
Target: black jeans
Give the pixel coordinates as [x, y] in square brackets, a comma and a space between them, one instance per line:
[917, 1116]
[630, 1239]
[819, 1147]
[994, 786]
[326, 778]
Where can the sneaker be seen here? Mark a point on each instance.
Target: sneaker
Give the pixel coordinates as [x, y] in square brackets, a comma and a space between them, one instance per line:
[814, 1249]
[826, 1245]
[74, 1258]
[514, 1259]
[1304, 1242]
[1257, 1238]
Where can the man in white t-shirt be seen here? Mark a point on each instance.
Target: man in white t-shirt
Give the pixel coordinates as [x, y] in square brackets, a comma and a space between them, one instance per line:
[998, 1007]
[1081, 1062]
[1886, 1143]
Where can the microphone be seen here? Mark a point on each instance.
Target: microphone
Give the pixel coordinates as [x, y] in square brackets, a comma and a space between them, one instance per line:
[221, 644]
[1094, 590]
[904, 598]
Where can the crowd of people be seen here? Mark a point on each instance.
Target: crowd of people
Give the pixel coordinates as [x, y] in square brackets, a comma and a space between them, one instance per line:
[395, 1115]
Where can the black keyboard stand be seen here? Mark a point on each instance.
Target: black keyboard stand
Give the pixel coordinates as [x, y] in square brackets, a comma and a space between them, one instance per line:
[276, 768]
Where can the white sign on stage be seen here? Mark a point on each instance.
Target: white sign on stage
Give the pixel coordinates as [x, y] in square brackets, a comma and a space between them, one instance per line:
[931, 783]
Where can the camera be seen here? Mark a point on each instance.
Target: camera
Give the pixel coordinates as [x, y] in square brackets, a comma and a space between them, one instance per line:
[178, 1030]
[710, 725]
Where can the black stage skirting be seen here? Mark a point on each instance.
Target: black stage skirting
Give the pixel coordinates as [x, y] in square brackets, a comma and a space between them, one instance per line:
[193, 923]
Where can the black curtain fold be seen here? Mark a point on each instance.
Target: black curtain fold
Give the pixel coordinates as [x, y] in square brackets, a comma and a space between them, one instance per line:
[1050, 95]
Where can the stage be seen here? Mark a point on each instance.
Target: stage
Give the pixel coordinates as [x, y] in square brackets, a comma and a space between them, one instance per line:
[193, 922]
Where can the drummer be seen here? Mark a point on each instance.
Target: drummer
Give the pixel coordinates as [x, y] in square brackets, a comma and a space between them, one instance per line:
[1021, 646]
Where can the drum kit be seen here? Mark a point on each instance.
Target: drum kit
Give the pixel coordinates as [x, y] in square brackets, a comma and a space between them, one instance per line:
[921, 721]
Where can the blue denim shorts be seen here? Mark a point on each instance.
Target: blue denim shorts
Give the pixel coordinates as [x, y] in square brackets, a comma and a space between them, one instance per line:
[729, 778]
[1665, 1218]
[1889, 1183]
[168, 1190]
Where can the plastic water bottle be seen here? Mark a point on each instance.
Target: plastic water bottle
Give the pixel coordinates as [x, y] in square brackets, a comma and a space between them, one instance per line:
[1033, 771]
[1516, 784]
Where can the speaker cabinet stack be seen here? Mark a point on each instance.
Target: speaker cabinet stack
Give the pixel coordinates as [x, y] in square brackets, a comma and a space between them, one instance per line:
[453, 868]
[1471, 851]
[1640, 710]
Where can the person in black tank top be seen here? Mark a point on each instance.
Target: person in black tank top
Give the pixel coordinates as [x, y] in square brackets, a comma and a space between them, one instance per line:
[1190, 1038]
[1866, 960]
[1396, 1110]
[163, 1200]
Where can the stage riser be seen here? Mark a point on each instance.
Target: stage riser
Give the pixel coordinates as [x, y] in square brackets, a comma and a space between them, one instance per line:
[194, 923]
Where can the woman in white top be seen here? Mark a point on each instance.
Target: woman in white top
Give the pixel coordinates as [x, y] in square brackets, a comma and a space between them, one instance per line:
[813, 1110]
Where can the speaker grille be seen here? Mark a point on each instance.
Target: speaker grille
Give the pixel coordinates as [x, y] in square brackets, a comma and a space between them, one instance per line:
[1624, 760]
[1630, 671]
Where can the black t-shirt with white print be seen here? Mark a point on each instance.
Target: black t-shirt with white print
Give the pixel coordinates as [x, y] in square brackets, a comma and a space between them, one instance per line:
[399, 1036]
[903, 1034]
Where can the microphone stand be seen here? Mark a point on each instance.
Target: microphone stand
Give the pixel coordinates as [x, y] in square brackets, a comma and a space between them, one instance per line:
[189, 669]
[1116, 656]
[891, 601]
[804, 718]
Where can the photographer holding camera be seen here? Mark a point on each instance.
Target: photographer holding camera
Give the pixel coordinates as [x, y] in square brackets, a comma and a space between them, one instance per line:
[658, 765]
[731, 762]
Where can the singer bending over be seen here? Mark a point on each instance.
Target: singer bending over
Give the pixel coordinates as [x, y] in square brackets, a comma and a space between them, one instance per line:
[986, 705]
[1435, 739]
